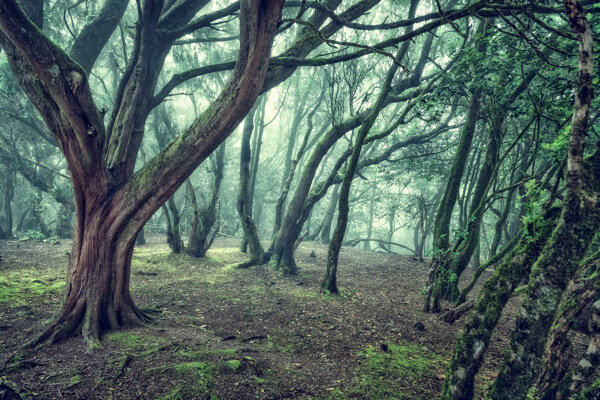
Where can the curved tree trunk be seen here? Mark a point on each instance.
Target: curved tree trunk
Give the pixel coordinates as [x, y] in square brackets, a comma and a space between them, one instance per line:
[329, 282]
[578, 225]
[97, 293]
[328, 217]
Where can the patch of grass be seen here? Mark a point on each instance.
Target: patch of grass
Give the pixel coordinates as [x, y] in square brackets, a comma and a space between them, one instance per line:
[234, 365]
[201, 354]
[21, 288]
[391, 374]
[134, 341]
[196, 379]
[74, 380]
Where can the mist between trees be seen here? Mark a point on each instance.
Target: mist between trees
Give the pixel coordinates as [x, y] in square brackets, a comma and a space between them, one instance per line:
[463, 134]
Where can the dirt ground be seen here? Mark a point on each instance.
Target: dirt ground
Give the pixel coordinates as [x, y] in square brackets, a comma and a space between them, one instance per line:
[224, 333]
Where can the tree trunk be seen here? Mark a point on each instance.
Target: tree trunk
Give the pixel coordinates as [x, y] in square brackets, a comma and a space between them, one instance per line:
[329, 282]
[8, 186]
[328, 217]
[113, 204]
[371, 214]
[471, 346]
[244, 203]
[554, 382]
[203, 231]
[97, 293]
[173, 219]
[64, 226]
[140, 240]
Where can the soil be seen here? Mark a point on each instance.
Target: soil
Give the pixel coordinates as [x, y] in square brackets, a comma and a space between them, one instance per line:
[225, 333]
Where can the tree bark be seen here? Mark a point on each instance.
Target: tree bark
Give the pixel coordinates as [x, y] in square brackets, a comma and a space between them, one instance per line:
[471, 346]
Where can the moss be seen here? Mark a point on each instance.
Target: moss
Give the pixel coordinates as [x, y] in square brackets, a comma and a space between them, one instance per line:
[391, 374]
[202, 354]
[234, 365]
[591, 393]
[133, 341]
[174, 394]
[74, 381]
[22, 288]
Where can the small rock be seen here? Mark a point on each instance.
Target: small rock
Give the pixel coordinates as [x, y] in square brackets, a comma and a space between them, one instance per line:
[384, 347]
[300, 283]
[312, 254]
[420, 326]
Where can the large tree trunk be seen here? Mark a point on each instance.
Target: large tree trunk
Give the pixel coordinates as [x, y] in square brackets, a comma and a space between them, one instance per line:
[97, 293]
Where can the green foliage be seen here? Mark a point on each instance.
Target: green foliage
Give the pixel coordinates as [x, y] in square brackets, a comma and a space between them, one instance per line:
[558, 147]
[196, 377]
[32, 234]
[234, 365]
[534, 201]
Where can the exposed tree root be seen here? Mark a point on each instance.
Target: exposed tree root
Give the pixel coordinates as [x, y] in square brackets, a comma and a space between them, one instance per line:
[88, 319]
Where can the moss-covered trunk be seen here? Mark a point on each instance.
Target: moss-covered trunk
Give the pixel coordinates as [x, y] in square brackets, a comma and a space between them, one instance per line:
[329, 213]
[173, 228]
[475, 339]
[466, 246]
[554, 381]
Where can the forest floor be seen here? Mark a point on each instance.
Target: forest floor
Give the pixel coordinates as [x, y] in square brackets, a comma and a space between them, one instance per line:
[224, 333]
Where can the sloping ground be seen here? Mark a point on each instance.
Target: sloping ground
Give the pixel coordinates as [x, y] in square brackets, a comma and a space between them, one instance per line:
[223, 333]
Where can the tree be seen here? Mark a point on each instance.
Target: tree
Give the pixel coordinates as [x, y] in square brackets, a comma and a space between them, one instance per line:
[112, 203]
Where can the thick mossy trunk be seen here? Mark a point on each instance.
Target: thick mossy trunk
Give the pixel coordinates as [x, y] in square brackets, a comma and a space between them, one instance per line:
[554, 381]
[589, 363]
[475, 339]
[549, 278]
[578, 224]
[97, 295]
